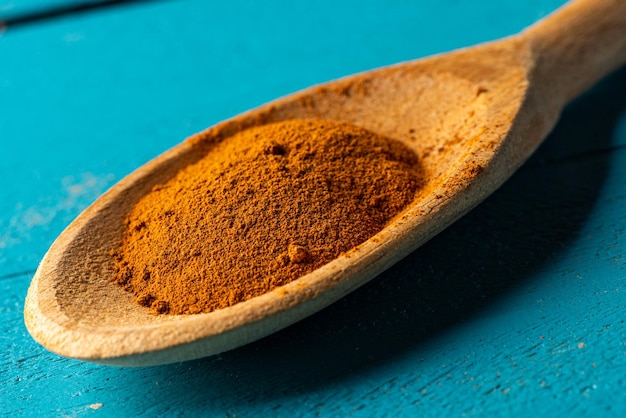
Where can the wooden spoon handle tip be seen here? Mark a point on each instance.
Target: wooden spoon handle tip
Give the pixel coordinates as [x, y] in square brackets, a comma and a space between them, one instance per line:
[578, 45]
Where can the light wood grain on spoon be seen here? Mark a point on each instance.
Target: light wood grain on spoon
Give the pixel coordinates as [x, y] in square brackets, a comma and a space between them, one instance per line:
[472, 116]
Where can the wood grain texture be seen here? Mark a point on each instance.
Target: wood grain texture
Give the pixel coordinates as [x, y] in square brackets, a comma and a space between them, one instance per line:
[526, 318]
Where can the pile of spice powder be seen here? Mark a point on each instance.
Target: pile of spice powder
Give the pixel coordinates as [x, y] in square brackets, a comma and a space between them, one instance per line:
[260, 209]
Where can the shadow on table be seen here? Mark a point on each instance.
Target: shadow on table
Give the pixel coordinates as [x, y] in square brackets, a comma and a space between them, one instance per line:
[498, 246]
[57, 11]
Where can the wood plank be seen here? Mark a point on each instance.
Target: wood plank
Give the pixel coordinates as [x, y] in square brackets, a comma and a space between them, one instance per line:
[517, 308]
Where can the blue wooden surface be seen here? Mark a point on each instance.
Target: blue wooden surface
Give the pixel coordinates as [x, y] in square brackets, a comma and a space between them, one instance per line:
[14, 8]
[9, 7]
[516, 309]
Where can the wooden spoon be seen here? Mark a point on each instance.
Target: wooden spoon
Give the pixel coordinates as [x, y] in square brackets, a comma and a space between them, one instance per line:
[472, 116]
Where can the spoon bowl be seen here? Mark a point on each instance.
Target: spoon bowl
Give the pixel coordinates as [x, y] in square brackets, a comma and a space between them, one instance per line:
[472, 117]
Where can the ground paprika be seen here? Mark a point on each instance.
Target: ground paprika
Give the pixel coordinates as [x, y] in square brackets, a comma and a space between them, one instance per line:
[260, 209]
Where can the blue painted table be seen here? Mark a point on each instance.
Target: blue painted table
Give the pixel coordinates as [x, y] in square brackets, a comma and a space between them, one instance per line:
[516, 309]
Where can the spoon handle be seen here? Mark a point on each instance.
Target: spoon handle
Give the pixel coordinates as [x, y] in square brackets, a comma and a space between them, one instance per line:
[578, 45]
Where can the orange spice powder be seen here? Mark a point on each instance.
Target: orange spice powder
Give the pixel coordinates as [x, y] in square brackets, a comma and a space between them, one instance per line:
[260, 209]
